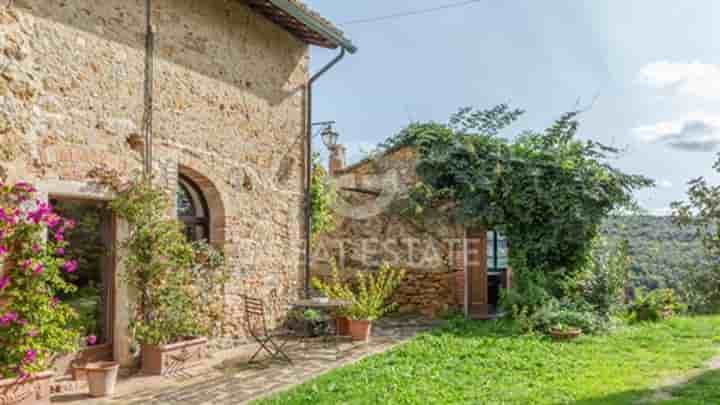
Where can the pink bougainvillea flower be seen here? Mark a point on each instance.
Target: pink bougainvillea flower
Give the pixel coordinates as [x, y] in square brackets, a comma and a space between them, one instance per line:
[9, 318]
[27, 264]
[91, 340]
[4, 282]
[40, 213]
[36, 248]
[39, 269]
[30, 357]
[70, 266]
[60, 251]
[8, 218]
[25, 186]
[53, 220]
[22, 375]
[70, 224]
[3, 249]
[59, 237]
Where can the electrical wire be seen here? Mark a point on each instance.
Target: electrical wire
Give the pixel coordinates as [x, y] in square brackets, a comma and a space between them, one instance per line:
[411, 13]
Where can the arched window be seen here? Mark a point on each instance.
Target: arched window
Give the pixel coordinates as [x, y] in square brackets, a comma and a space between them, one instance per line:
[192, 210]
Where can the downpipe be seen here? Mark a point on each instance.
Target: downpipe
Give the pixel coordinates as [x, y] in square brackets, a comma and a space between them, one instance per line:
[308, 162]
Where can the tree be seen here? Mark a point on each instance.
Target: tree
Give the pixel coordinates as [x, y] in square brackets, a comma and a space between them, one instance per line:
[702, 214]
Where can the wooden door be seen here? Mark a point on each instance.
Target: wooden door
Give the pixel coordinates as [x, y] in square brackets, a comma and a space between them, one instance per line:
[107, 232]
[476, 245]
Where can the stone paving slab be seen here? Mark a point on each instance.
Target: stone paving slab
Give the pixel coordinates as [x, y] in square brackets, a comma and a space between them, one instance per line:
[233, 381]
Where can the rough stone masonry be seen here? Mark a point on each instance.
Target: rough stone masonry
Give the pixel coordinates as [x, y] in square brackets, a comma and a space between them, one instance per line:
[229, 114]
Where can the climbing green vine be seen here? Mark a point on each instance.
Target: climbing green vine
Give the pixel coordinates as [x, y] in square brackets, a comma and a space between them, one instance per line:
[180, 284]
[548, 191]
[323, 197]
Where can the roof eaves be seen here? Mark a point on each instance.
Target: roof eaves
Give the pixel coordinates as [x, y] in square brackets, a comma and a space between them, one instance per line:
[315, 22]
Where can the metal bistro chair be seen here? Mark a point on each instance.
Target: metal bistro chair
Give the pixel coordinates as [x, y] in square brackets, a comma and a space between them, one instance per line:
[256, 323]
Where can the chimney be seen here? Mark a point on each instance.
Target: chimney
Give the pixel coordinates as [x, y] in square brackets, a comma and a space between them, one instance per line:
[337, 159]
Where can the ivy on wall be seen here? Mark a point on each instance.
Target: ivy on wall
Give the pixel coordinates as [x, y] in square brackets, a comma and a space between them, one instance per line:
[322, 199]
[547, 191]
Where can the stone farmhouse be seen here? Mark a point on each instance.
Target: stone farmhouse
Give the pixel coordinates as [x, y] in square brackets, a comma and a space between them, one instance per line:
[229, 85]
[440, 257]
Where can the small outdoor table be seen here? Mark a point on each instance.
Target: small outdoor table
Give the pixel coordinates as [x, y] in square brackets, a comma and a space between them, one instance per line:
[322, 305]
[325, 306]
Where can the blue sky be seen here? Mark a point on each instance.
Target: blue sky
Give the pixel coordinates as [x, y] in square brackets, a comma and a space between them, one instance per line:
[651, 66]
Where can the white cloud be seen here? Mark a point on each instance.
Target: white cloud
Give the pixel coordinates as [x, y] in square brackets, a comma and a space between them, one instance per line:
[693, 79]
[696, 133]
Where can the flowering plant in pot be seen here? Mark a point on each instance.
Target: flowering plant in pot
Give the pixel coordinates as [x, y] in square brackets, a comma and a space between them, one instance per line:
[179, 284]
[336, 289]
[368, 301]
[33, 322]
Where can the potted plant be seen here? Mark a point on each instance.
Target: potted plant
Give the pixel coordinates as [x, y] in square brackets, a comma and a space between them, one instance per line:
[369, 303]
[33, 323]
[79, 362]
[336, 289]
[178, 282]
[101, 377]
[565, 332]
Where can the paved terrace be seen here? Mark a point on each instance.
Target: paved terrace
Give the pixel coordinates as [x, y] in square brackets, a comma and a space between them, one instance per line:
[227, 378]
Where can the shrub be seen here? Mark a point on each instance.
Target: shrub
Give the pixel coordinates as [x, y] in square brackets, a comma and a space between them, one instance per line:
[699, 289]
[654, 306]
[562, 312]
[369, 300]
[602, 281]
[529, 293]
[34, 324]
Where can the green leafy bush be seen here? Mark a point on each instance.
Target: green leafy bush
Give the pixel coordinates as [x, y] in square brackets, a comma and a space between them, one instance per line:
[530, 292]
[566, 313]
[655, 305]
[602, 281]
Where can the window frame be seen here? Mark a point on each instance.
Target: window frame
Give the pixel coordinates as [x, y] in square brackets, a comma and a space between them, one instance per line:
[196, 197]
[494, 238]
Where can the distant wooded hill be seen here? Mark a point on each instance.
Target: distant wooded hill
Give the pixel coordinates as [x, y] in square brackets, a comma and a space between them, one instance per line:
[662, 252]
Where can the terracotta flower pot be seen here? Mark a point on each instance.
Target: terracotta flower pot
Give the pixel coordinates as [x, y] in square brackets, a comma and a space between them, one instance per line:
[33, 391]
[342, 324]
[101, 378]
[360, 330]
[78, 372]
[565, 335]
[159, 359]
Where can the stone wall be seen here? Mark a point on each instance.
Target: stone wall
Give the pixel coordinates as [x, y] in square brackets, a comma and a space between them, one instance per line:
[371, 232]
[229, 113]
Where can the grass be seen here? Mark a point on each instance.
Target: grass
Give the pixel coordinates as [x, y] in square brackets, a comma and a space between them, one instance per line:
[488, 363]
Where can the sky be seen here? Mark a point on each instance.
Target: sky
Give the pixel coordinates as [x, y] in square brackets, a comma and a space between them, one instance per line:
[646, 71]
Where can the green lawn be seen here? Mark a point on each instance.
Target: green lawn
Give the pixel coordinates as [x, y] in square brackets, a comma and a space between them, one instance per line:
[487, 363]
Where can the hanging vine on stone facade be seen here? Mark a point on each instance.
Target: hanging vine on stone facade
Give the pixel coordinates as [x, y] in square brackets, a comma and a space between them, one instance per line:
[180, 284]
[323, 196]
[546, 191]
